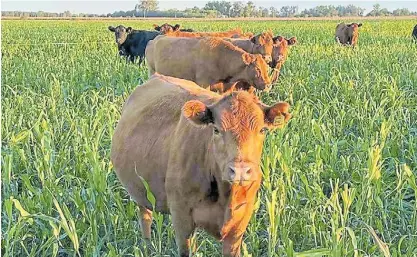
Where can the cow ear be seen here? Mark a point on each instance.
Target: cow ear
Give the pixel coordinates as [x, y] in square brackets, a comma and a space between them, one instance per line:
[253, 39]
[360, 25]
[112, 29]
[197, 113]
[177, 27]
[277, 116]
[277, 39]
[292, 41]
[156, 27]
[248, 58]
[129, 29]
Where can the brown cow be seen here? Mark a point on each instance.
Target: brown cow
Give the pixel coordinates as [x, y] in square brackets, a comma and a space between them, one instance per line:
[205, 61]
[168, 27]
[279, 54]
[347, 34]
[231, 33]
[247, 35]
[259, 44]
[200, 154]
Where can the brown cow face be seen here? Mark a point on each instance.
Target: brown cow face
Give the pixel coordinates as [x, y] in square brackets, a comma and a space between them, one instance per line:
[264, 44]
[121, 33]
[166, 28]
[239, 123]
[280, 50]
[353, 33]
[256, 71]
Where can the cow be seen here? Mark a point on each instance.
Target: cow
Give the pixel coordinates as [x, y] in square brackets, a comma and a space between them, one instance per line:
[247, 35]
[347, 34]
[132, 43]
[414, 34]
[205, 61]
[279, 54]
[259, 44]
[168, 27]
[231, 33]
[198, 153]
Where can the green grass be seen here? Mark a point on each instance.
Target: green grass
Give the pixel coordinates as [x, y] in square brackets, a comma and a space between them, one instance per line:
[339, 180]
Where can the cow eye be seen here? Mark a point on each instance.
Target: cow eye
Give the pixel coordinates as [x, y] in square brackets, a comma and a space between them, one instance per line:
[264, 130]
[216, 131]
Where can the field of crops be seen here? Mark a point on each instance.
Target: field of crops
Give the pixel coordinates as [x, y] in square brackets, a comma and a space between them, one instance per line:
[339, 180]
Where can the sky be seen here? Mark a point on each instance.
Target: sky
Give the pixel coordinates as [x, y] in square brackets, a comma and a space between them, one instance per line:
[110, 6]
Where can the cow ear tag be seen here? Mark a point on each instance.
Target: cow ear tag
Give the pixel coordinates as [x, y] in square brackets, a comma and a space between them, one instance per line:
[279, 120]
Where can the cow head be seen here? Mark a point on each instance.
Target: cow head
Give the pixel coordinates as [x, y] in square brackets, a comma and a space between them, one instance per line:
[255, 71]
[120, 33]
[239, 122]
[263, 44]
[166, 28]
[280, 50]
[353, 33]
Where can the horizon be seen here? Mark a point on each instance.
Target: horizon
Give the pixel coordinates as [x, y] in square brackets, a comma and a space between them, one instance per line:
[105, 7]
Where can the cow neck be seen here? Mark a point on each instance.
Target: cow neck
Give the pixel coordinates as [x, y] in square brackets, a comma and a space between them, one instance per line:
[244, 44]
[215, 175]
[235, 65]
[239, 209]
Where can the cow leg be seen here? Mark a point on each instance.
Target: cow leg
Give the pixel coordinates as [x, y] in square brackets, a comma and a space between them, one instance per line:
[132, 59]
[184, 228]
[145, 221]
[140, 60]
[275, 75]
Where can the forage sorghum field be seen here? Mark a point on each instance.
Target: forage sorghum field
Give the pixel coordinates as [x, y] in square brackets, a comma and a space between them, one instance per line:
[339, 180]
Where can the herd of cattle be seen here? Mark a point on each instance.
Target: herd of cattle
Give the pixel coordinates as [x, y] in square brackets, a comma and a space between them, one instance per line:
[205, 51]
[196, 150]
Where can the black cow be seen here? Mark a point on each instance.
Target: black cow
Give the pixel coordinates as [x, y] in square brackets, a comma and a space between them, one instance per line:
[415, 33]
[169, 28]
[132, 43]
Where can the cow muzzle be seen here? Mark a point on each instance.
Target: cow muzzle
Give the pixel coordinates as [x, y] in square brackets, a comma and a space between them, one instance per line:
[267, 58]
[239, 172]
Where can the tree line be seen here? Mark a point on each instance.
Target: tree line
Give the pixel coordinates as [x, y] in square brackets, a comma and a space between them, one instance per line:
[223, 9]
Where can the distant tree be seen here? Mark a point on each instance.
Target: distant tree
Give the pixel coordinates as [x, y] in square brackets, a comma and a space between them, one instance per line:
[401, 12]
[146, 6]
[288, 11]
[211, 13]
[249, 9]
[376, 8]
[222, 7]
[237, 9]
[377, 11]
[273, 11]
[265, 12]
[331, 11]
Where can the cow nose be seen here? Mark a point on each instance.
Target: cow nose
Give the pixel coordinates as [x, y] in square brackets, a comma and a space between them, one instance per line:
[268, 58]
[240, 173]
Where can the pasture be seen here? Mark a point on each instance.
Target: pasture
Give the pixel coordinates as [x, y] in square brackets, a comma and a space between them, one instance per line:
[339, 180]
